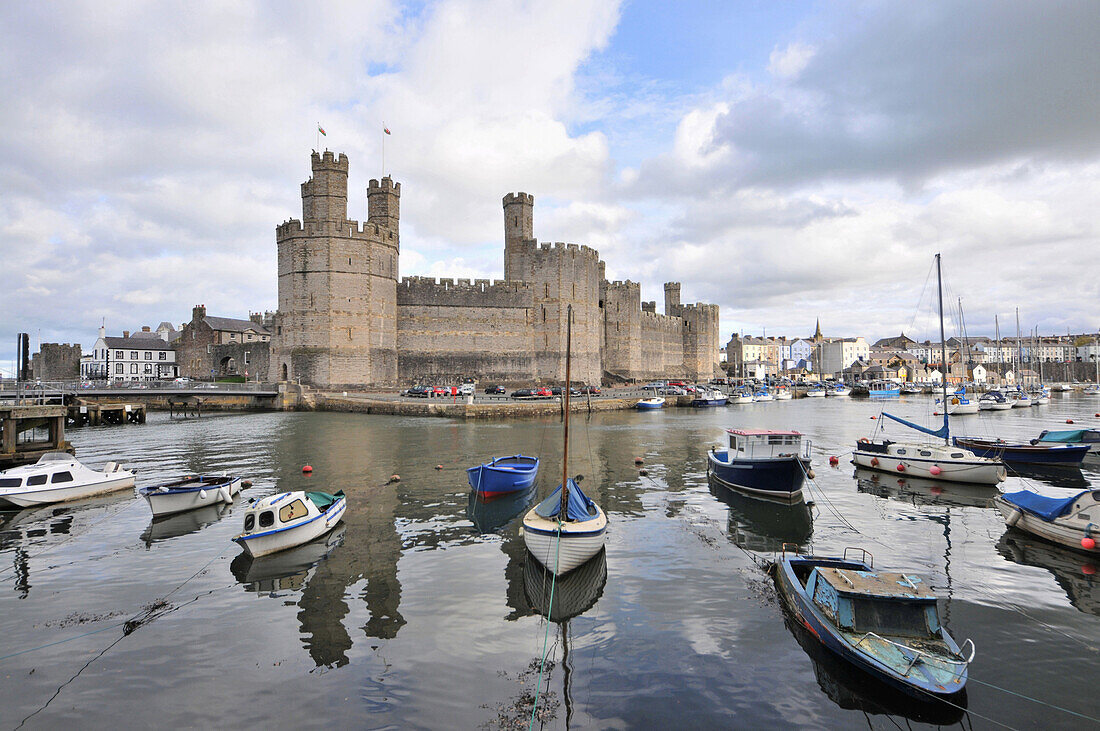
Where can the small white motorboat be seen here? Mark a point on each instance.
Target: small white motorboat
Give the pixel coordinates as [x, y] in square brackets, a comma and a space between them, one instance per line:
[191, 492]
[278, 522]
[816, 392]
[648, 404]
[763, 395]
[994, 401]
[838, 390]
[741, 396]
[959, 404]
[1070, 521]
[783, 394]
[57, 477]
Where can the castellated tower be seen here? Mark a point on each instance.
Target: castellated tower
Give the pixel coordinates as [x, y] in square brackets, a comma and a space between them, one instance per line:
[701, 340]
[672, 299]
[337, 319]
[561, 276]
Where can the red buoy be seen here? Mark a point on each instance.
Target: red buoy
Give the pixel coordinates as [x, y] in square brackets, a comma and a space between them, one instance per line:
[874, 461]
[937, 490]
[873, 418]
[1088, 569]
[395, 478]
[439, 466]
[1088, 543]
[307, 469]
[638, 460]
[1098, 415]
[901, 467]
[834, 460]
[935, 469]
[935, 413]
[1069, 421]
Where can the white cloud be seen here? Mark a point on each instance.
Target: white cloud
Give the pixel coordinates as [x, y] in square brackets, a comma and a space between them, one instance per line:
[789, 62]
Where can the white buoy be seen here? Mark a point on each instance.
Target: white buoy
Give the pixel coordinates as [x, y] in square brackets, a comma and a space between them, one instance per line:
[202, 494]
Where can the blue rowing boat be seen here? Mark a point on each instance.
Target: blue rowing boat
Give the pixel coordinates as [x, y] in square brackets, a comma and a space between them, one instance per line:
[1017, 453]
[882, 622]
[503, 475]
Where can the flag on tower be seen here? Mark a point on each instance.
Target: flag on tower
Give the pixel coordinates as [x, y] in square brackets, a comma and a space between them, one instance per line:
[322, 130]
[386, 130]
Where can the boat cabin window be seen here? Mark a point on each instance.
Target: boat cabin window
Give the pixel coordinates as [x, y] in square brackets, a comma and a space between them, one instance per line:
[10, 482]
[267, 519]
[901, 451]
[925, 453]
[956, 455]
[294, 510]
[62, 477]
[890, 617]
[249, 521]
[37, 479]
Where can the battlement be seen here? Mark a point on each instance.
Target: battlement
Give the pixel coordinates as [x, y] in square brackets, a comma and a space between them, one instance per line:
[329, 162]
[561, 249]
[628, 287]
[367, 231]
[447, 292]
[384, 185]
[525, 198]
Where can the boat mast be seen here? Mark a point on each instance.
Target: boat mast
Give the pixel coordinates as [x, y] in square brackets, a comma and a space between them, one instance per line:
[563, 514]
[966, 340]
[943, 348]
[1019, 352]
[1000, 358]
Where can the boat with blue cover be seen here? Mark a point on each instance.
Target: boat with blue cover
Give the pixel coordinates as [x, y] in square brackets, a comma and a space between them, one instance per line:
[762, 462]
[190, 493]
[884, 623]
[1072, 521]
[278, 522]
[1086, 437]
[1023, 453]
[503, 475]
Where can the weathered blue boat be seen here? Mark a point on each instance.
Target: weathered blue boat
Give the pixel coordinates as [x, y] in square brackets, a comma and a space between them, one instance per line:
[768, 463]
[882, 622]
[1017, 453]
[1087, 437]
[503, 475]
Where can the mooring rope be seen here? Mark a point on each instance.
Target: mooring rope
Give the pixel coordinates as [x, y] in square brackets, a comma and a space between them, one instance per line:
[546, 636]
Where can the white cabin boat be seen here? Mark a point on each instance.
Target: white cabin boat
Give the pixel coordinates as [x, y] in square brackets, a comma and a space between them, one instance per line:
[289, 519]
[190, 493]
[1070, 521]
[57, 477]
[934, 461]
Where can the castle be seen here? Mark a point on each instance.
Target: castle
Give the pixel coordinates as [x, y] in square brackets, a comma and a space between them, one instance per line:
[345, 319]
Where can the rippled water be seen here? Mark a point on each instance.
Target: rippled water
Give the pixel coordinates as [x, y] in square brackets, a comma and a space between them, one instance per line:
[418, 612]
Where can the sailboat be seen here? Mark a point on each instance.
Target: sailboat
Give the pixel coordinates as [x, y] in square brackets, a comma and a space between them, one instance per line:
[941, 461]
[567, 528]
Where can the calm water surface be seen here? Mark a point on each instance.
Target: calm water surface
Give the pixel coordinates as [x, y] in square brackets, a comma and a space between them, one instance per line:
[418, 612]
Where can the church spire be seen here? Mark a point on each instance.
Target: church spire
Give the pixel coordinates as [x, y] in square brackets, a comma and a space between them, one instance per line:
[818, 337]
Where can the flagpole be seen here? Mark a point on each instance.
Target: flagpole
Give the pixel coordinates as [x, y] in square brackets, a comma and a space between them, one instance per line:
[383, 148]
[318, 148]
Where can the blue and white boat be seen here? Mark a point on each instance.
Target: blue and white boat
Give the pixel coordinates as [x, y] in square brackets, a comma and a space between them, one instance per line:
[650, 404]
[816, 391]
[278, 522]
[1017, 453]
[503, 475]
[958, 403]
[708, 397]
[1071, 521]
[562, 545]
[884, 623]
[772, 464]
[763, 395]
[994, 401]
[190, 493]
[883, 388]
[1089, 437]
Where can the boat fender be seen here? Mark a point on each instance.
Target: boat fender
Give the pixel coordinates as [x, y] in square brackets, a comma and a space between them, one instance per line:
[202, 494]
[864, 440]
[874, 461]
[1088, 543]
[1014, 518]
[811, 474]
[901, 467]
[224, 494]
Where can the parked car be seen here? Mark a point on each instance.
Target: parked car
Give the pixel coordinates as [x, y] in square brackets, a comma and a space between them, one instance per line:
[560, 391]
[594, 390]
[523, 393]
[439, 391]
[466, 389]
[496, 389]
[183, 379]
[419, 391]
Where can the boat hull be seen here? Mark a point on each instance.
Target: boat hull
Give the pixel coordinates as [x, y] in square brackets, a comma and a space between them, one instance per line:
[31, 498]
[778, 478]
[983, 472]
[265, 544]
[1063, 535]
[578, 542]
[806, 613]
[1025, 453]
[503, 475]
[650, 404]
[179, 501]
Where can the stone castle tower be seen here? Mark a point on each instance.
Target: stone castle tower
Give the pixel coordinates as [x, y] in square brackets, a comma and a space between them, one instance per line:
[561, 275]
[338, 283]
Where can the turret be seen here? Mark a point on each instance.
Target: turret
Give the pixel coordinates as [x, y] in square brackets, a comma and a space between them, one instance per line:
[672, 298]
[519, 218]
[383, 204]
[325, 195]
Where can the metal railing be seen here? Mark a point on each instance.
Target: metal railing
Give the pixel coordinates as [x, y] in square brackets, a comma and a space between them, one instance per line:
[919, 654]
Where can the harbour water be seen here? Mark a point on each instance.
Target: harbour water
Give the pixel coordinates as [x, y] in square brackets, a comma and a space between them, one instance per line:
[418, 611]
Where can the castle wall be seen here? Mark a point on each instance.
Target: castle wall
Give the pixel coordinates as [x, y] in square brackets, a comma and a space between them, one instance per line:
[448, 330]
[623, 338]
[662, 348]
[700, 341]
[56, 362]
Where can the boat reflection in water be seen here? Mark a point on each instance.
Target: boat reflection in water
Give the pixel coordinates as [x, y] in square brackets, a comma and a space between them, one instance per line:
[285, 570]
[491, 515]
[759, 524]
[180, 524]
[573, 593]
[922, 491]
[1075, 572]
[1069, 476]
[853, 689]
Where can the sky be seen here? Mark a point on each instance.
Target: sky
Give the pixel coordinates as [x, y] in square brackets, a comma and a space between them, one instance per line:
[787, 161]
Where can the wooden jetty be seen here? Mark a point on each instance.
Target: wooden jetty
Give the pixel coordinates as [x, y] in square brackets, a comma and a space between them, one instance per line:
[28, 432]
[94, 414]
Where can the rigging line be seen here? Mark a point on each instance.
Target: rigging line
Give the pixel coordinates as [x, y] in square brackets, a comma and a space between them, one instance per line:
[71, 537]
[546, 637]
[924, 289]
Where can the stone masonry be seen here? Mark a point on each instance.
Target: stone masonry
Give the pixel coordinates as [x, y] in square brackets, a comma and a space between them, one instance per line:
[345, 320]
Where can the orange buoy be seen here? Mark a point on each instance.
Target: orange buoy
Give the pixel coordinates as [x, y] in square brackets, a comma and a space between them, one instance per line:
[873, 418]
[643, 472]
[439, 466]
[935, 413]
[307, 469]
[874, 461]
[1088, 543]
[935, 470]
[638, 460]
[834, 460]
[1069, 421]
[395, 478]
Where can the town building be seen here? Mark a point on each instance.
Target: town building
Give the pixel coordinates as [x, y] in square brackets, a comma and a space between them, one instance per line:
[209, 347]
[131, 358]
[839, 353]
[346, 319]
